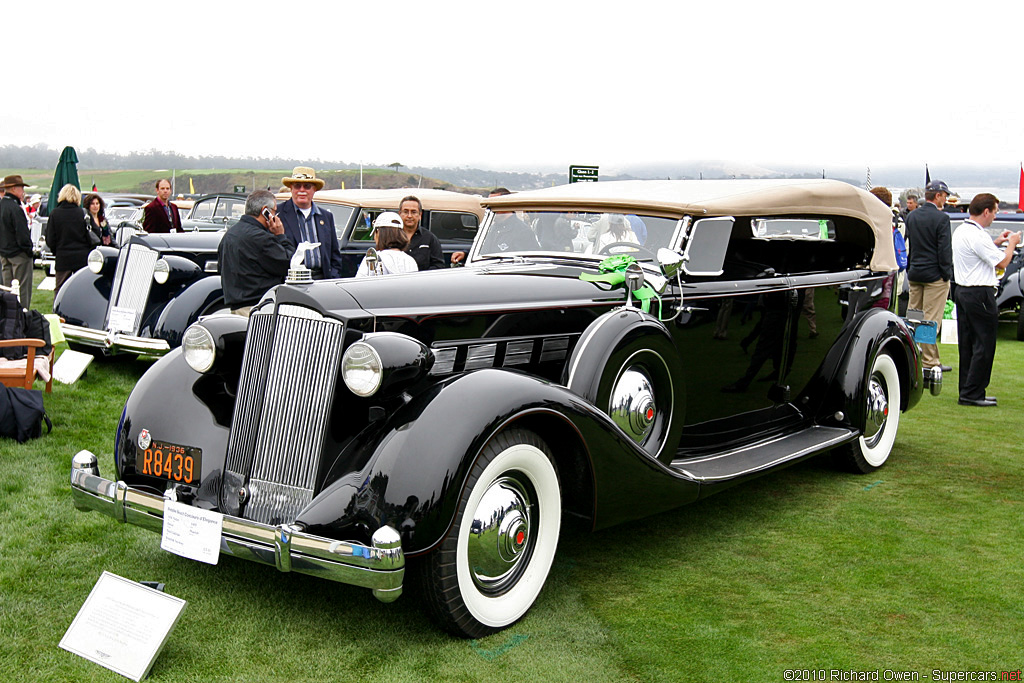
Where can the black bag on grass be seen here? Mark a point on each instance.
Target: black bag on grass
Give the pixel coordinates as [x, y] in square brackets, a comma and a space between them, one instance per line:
[22, 414]
[12, 325]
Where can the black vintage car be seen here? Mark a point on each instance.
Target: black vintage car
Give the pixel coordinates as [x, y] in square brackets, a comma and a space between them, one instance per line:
[140, 298]
[1011, 290]
[653, 351]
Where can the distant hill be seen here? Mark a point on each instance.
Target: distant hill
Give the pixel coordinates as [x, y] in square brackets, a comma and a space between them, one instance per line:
[218, 173]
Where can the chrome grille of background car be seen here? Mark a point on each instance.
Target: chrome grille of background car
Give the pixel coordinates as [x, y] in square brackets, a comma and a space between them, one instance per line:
[130, 289]
[284, 399]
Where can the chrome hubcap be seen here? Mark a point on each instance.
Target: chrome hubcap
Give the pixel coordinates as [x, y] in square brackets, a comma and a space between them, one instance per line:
[632, 403]
[878, 412]
[499, 535]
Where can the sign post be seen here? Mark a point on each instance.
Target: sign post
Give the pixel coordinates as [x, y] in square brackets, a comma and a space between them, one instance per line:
[583, 174]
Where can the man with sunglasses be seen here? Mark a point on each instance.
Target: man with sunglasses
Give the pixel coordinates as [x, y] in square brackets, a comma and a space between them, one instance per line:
[304, 221]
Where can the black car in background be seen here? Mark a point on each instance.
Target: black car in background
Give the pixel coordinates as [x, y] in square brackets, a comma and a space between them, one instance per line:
[654, 352]
[140, 296]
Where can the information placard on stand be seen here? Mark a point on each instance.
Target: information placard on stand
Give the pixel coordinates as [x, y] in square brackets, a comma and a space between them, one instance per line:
[123, 625]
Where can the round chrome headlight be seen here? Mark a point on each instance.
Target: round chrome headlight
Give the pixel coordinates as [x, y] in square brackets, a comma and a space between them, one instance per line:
[362, 370]
[161, 271]
[198, 348]
[95, 261]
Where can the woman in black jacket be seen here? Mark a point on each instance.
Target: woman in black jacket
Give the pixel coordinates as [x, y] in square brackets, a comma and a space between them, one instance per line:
[67, 235]
[96, 216]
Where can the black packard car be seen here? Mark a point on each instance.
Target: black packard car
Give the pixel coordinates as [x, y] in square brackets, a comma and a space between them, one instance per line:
[654, 351]
[141, 297]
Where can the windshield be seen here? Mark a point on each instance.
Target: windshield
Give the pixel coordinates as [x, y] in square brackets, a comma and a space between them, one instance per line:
[597, 234]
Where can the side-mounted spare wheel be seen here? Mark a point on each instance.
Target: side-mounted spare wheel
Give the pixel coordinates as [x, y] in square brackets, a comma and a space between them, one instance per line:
[627, 366]
[492, 565]
[881, 420]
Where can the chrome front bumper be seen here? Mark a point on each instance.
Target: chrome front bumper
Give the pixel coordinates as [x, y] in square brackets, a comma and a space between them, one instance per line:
[380, 567]
[113, 341]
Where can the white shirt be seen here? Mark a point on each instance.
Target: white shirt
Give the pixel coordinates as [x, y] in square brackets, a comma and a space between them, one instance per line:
[392, 261]
[975, 256]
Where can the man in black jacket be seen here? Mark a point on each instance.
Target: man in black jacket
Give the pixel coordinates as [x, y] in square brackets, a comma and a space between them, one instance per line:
[254, 254]
[16, 239]
[930, 263]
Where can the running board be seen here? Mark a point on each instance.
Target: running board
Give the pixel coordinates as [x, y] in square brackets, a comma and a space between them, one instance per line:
[764, 455]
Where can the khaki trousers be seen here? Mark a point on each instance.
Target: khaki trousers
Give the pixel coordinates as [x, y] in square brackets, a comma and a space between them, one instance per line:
[930, 297]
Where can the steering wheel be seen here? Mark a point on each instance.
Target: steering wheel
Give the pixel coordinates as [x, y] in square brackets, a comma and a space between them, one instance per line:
[607, 249]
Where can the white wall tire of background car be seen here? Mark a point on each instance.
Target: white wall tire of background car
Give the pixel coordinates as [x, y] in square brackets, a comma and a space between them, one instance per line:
[515, 466]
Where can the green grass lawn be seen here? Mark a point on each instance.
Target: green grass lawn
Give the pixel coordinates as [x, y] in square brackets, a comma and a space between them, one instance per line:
[916, 567]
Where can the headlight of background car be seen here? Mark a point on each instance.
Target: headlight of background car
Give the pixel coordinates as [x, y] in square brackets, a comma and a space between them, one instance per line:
[161, 271]
[198, 348]
[95, 261]
[384, 362]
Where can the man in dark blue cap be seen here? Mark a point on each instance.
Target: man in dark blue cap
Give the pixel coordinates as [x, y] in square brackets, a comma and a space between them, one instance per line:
[930, 263]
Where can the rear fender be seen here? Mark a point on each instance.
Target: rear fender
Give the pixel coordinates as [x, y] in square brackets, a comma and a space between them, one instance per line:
[876, 332]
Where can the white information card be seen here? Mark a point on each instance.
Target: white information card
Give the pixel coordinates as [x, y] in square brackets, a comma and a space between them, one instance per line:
[192, 532]
[123, 625]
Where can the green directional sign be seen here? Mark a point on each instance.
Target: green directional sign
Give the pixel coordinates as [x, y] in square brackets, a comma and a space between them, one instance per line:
[583, 174]
[240, 189]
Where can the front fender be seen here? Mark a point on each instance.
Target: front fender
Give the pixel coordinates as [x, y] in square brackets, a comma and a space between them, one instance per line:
[423, 456]
[83, 300]
[197, 299]
[200, 417]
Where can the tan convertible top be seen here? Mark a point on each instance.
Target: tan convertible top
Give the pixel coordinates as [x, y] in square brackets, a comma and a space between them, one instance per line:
[701, 198]
[432, 200]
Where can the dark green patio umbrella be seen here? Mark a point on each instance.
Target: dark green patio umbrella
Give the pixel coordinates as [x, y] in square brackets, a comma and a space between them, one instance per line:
[66, 172]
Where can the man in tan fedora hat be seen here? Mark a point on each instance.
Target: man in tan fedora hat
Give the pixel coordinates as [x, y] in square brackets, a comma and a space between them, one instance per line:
[304, 221]
[16, 239]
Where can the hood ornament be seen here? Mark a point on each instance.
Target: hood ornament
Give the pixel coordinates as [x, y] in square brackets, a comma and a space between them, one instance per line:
[298, 272]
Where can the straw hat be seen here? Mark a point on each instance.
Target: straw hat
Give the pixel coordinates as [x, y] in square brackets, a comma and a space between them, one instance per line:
[302, 174]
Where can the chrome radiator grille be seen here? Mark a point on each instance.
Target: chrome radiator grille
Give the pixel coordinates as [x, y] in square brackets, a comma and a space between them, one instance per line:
[130, 290]
[282, 408]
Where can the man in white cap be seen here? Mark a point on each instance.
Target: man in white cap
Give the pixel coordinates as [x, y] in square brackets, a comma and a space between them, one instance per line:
[16, 239]
[304, 221]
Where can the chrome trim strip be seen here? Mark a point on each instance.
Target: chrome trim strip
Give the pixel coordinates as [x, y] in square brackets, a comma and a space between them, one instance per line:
[380, 566]
[115, 342]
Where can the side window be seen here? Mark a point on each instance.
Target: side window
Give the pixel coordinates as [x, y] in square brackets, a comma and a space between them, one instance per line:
[362, 231]
[203, 211]
[451, 226]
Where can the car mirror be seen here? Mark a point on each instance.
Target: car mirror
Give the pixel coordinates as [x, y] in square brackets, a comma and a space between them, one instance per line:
[705, 248]
[669, 261]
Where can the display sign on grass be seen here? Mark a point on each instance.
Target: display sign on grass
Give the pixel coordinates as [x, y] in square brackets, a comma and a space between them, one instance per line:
[123, 625]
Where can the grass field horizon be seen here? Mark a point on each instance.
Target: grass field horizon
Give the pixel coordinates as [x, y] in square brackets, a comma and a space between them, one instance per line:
[914, 568]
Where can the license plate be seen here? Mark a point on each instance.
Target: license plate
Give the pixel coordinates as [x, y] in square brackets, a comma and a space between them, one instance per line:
[172, 462]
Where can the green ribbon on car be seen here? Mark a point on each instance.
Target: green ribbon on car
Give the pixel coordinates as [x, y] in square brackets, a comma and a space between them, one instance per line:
[613, 273]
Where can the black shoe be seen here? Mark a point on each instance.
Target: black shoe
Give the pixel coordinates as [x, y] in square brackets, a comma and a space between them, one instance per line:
[987, 402]
[946, 368]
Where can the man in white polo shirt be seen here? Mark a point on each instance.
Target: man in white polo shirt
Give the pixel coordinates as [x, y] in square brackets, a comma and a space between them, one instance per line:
[975, 260]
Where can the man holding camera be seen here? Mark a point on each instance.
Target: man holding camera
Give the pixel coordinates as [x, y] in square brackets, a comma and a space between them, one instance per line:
[975, 260]
[254, 254]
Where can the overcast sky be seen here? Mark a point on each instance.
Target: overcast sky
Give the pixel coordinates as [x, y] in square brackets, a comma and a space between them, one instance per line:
[523, 85]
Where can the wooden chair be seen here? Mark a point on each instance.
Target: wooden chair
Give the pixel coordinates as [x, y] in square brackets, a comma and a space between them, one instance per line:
[25, 376]
[18, 376]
